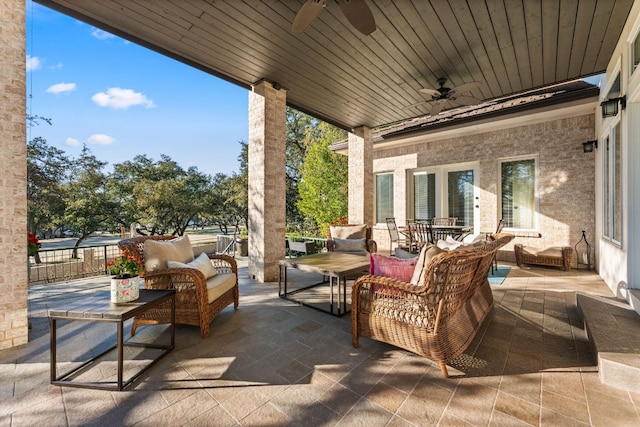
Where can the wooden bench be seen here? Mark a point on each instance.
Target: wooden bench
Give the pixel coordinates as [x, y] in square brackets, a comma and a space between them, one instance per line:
[555, 256]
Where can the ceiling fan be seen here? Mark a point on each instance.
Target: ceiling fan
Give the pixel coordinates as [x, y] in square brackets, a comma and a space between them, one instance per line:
[444, 94]
[356, 11]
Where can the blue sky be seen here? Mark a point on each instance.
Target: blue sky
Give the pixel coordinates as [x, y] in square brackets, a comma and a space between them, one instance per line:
[123, 100]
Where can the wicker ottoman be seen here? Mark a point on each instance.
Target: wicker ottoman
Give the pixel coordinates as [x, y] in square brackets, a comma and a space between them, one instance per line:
[555, 256]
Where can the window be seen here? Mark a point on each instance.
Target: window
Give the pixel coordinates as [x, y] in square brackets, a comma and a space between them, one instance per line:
[384, 197]
[612, 183]
[424, 195]
[518, 193]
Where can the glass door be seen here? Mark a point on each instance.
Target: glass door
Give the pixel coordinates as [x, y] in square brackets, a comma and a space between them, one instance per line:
[462, 200]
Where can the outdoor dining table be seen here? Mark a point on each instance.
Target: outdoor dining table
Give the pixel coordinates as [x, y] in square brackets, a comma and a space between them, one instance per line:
[437, 232]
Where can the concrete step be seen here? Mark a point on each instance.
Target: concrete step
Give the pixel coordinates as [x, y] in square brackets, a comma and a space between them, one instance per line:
[613, 328]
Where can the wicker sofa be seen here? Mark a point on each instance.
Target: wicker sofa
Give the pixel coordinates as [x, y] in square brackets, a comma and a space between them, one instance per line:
[197, 303]
[555, 256]
[438, 319]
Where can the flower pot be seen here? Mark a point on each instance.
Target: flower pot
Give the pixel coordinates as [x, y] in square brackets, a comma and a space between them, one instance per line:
[125, 289]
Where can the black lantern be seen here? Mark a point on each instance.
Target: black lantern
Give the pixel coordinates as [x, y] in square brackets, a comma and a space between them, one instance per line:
[589, 146]
[610, 106]
[583, 253]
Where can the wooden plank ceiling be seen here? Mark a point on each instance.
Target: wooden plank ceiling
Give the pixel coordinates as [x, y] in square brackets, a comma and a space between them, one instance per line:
[337, 74]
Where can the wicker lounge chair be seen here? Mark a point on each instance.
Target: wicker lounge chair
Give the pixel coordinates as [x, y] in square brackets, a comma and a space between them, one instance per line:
[192, 300]
[438, 319]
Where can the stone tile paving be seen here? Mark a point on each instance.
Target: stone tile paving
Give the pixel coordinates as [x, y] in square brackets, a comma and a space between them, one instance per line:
[274, 363]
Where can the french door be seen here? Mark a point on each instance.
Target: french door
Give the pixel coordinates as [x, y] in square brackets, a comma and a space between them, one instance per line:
[449, 191]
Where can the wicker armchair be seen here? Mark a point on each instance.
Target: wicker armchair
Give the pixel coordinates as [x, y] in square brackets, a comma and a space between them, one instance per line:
[371, 245]
[192, 302]
[437, 320]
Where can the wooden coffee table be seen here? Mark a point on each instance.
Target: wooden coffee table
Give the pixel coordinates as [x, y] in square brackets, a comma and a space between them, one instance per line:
[99, 308]
[335, 266]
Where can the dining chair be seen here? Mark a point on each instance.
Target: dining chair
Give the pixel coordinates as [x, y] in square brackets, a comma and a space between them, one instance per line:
[494, 264]
[401, 240]
[444, 221]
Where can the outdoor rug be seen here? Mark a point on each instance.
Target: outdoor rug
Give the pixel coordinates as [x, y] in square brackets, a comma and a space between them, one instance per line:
[499, 274]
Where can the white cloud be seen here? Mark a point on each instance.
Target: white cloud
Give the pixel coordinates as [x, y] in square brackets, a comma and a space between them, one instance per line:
[33, 63]
[72, 142]
[101, 34]
[121, 99]
[100, 139]
[61, 87]
[58, 66]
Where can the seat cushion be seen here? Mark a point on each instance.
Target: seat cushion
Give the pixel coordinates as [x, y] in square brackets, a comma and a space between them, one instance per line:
[219, 284]
[400, 269]
[202, 263]
[551, 252]
[350, 245]
[158, 252]
[348, 232]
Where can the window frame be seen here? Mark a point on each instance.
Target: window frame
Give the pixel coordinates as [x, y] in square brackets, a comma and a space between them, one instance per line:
[612, 176]
[536, 194]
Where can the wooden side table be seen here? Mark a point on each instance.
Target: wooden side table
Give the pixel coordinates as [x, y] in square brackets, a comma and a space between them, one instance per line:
[99, 308]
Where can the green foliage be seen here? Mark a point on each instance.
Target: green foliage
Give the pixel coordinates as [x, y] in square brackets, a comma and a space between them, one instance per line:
[324, 185]
[47, 169]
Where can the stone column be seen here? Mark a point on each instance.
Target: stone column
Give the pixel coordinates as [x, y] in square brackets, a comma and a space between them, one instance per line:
[14, 329]
[361, 188]
[267, 190]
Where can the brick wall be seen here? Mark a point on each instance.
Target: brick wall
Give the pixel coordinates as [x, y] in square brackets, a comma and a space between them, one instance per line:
[13, 181]
[566, 175]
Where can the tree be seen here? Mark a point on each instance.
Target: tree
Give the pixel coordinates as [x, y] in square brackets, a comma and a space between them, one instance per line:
[324, 184]
[88, 206]
[301, 128]
[47, 168]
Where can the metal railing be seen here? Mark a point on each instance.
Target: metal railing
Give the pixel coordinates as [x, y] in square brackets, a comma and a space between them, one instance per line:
[57, 265]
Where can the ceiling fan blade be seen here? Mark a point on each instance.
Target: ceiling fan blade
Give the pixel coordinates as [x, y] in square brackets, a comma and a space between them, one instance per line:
[466, 87]
[306, 15]
[359, 15]
[430, 92]
[437, 107]
[467, 100]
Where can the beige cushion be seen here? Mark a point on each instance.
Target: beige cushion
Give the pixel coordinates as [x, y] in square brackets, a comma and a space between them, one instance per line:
[202, 263]
[219, 284]
[554, 251]
[348, 232]
[158, 252]
[426, 254]
[449, 244]
[350, 245]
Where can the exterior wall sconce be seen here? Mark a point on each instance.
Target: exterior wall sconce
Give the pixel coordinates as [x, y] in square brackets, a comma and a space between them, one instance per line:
[610, 106]
[589, 146]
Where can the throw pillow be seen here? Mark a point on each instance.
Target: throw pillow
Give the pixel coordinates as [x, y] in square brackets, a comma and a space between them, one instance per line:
[402, 254]
[158, 252]
[202, 263]
[350, 245]
[400, 269]
[348, 231]
[449, 244]
[426, 254]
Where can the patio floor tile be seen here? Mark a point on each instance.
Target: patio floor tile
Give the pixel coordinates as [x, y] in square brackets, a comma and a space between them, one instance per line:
[275, 363]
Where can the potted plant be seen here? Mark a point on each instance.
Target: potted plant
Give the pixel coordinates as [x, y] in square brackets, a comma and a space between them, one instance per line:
[242, 243]
[125, 283]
